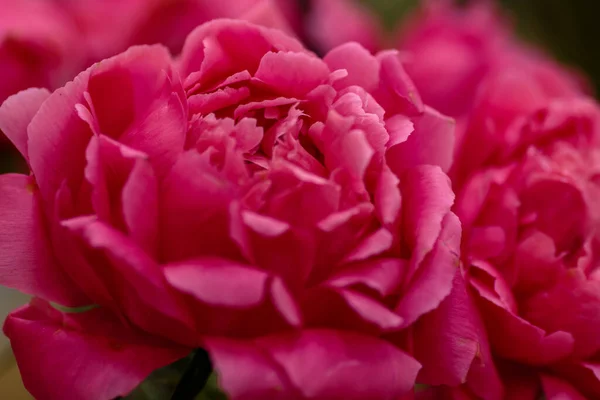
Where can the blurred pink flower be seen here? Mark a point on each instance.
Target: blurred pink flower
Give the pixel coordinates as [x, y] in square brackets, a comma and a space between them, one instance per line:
[44, 43]
[288, 213]
[334, 22]
[526, 173]
[451, 50]
[531, 245]
[38, 46]
[136, 22]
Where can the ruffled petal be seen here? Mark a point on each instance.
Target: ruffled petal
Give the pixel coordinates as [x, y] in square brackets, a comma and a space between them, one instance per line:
[58, 362]
[313, 364]
[26, 259]
[17, 112]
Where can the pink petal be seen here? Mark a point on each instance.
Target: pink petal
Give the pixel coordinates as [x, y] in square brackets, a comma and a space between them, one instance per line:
[396, 92]
[136, 282]
[109, 164]
[346, 149]
[221, 48]
[137, 102]
[274, 246]
[194, 210]
[584, 376]
[432, 282]
[573, 306]
[206, 103]
[451, 343]
[431, 142]
[245, 372]
[515, 338]
[26, 259]
[312, 364]
[446, 340]
[348, 309]
[372, 245]
[56, 361]
[388, 199]
[140, 206]
[246, 109]
[124, 189]
[339, 233]
[291, 74]
[567, 230]
[362, 66]
[400, 127]
[382, 276]
[336, 365]
[261, 303]
[557, 389]
[16, 113]
[57, 139]
[428, 197]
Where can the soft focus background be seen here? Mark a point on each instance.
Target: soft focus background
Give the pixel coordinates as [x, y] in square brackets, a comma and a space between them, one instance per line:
[566, 29]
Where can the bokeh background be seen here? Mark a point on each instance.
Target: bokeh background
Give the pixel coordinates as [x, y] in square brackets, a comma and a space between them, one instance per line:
[568, 30]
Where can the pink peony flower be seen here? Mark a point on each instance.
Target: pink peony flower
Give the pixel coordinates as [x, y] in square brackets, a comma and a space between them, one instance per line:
[287, 213]
[531, 245]
[147, 21]
[37, 46]
[526, 177]
[452, 50]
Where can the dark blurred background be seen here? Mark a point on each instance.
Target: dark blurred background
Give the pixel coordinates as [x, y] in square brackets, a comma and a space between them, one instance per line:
[567, 29]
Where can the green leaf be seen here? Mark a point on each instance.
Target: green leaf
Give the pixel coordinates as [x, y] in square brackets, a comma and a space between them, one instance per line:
[161, 384]
[421, 388]
[74, 310]
[212, 391]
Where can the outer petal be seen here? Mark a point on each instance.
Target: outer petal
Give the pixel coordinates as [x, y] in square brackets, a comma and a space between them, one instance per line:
[57, 362]
[314, 364]
[57, 139]
[513, 337]
[221, 48]
[135, 281]
[446, 340]
[16, 113]
[26, 259]
[292, 74]
[135, 100]
[261, 302]
[572, 305]
[380, 276]
[431, 142]
[433, 233]
[348, 309]
[585, 376]
[361, 65]
[194, 211]
[433, 281]
[427, 198]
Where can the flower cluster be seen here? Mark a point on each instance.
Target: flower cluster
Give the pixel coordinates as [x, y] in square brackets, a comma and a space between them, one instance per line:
[293, 214]
[526, 175]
